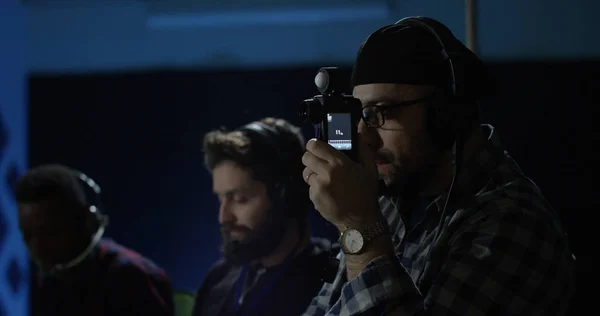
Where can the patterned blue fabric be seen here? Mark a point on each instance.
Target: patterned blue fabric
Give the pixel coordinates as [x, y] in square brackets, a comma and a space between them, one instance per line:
[14, 260]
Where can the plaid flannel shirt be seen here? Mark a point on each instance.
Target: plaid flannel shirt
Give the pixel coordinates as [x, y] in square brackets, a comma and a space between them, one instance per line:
[501, 251]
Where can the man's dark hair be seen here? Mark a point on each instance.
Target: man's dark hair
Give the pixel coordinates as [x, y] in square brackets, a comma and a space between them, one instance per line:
[261, 158]
[51, 182]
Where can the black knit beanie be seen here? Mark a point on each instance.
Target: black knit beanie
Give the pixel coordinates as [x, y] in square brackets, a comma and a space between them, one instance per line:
[410, 54]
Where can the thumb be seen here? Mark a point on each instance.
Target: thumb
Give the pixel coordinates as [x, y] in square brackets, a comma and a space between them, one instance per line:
[366, 157]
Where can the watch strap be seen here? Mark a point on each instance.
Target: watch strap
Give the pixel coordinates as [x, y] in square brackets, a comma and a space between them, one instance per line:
[375, 230]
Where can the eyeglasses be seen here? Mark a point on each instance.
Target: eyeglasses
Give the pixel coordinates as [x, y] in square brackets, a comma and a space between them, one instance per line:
[373, 115]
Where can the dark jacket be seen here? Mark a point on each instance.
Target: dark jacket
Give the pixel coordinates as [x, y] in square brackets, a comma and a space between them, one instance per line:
[286, 289]
[119, 281]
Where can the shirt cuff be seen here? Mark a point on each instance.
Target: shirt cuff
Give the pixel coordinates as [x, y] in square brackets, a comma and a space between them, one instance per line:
[383, 281]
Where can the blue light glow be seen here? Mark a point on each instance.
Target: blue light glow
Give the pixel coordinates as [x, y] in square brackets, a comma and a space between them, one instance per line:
[268, 17]
[14, 270]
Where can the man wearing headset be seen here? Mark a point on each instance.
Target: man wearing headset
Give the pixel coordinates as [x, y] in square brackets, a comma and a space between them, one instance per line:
[496, 248]
[270, 264]
[79, 272]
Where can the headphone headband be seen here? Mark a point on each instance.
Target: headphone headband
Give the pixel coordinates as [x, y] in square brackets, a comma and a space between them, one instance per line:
[286, 183]
[268, 133]
[426, 24]
[91, 191]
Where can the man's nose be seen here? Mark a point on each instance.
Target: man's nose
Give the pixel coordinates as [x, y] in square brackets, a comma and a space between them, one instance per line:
[362, 127]
[225, 213]
[369, 135]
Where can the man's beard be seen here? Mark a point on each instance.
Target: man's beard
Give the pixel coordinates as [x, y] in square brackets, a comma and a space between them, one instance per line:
[410, 173]
[256, 243]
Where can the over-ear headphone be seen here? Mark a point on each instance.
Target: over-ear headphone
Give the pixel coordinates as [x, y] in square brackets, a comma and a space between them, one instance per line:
[450, 118]
[449, 115]
[97, 222]
[91, 191]
[288, 186]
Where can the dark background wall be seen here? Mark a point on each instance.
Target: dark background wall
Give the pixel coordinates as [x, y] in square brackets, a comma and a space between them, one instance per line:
[139, 135]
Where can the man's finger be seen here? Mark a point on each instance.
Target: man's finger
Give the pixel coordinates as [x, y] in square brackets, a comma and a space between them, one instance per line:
[315, 163]
[323, 150]
[307, 174]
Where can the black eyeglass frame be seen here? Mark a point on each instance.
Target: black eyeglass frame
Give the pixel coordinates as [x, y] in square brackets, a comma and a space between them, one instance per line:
[379, 110]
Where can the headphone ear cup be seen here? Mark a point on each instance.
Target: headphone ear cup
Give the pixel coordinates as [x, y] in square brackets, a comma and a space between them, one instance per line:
[300, 196]
[280, 197]
[292, 195]
[440, 119]
[451, 119]
[92, 222]
[283, 196]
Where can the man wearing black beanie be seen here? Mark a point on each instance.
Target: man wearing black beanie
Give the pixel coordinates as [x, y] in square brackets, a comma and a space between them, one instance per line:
[459, 229]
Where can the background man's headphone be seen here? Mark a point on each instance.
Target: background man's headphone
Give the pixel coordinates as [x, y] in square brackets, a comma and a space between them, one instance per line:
[97, 222]
[288, 186]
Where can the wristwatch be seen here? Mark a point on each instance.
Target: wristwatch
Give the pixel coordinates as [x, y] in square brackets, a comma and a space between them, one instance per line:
[353, 241]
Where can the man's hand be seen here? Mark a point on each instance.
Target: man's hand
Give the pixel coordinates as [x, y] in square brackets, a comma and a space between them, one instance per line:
[343, 191]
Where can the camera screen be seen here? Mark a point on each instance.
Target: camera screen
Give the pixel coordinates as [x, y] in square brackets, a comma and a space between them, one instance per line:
[339, 130]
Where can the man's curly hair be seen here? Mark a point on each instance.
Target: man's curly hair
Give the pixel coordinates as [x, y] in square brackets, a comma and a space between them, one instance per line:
[260, 157]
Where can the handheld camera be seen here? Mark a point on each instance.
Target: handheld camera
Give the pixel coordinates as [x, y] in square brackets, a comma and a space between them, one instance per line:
[334, 114]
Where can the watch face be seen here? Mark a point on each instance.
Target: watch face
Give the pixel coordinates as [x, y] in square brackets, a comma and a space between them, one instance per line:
[353, 241]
